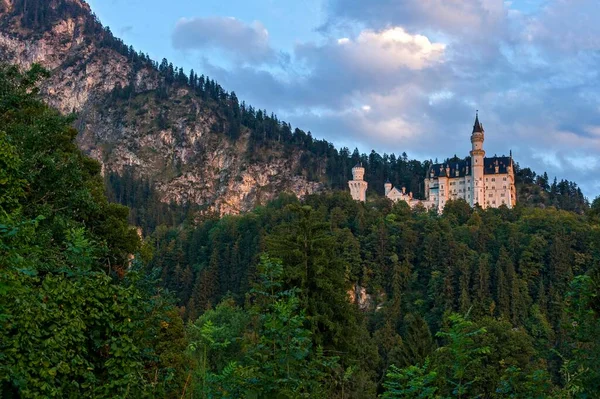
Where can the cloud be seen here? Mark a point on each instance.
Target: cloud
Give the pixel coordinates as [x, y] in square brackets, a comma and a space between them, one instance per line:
[408, 75]
[338, 72]
[389, 49]
[451, 16]
[568, 26]
[241, 41]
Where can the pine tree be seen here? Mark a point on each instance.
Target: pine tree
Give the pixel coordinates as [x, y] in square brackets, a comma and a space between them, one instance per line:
[482, 286]
[503, 290]
[417, 341]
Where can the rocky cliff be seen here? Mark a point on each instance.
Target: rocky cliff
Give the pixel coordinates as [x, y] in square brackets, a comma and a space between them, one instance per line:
[130, 116]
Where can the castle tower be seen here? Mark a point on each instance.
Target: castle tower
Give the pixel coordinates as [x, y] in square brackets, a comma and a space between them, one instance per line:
[511, 176]
[358, 186]
[388, 187]
[477, 166]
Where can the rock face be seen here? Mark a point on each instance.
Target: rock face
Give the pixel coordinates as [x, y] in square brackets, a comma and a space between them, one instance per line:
[164, 133]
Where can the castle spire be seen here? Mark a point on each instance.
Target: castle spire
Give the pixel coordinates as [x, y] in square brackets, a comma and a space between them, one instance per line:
[477, 127]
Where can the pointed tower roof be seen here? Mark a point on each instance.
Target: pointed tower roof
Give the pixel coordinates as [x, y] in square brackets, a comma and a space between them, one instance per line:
[477, 127]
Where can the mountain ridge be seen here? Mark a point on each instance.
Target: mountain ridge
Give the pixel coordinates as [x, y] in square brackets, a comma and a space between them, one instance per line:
[181, 155]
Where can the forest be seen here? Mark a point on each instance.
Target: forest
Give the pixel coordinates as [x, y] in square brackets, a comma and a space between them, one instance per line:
[501, 290]
[323, 297]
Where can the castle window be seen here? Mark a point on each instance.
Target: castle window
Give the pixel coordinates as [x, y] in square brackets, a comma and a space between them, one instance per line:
[486, 179]
[491, 195]
[505, 187]
[494, 202]
[502, 195]
[493, 179]
[504, 179]
[503, 202]
[493, 187]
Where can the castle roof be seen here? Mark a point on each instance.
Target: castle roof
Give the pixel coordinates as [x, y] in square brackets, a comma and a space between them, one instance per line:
[489, 165]
[477, 126]
[464, 167]
[439, 169]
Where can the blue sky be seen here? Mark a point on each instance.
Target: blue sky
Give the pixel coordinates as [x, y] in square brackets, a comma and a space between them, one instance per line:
[398, 75]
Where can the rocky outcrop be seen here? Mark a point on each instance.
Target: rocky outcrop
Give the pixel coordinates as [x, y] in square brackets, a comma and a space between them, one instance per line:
[168, 139]
[359, 296]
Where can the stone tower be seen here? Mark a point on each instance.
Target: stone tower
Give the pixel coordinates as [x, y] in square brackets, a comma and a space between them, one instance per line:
[477, 163]
[358, 186]
[387, 187]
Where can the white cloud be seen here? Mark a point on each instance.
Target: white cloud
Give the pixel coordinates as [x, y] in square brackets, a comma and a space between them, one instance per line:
[391, 49]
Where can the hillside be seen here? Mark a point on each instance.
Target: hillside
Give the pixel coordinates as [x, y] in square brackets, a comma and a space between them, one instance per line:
[133, 113]
[179, 137]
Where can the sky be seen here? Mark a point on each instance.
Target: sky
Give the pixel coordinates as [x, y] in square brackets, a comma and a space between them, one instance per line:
[398, 75]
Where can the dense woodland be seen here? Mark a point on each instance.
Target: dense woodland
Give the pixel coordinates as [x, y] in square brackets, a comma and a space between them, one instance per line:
[78, 317]
[320, 298]
[500, 272]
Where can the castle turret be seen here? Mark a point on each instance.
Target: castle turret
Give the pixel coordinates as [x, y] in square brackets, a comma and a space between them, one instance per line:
[388, 187]
[477, 166]
[358, 186]
[511, 179]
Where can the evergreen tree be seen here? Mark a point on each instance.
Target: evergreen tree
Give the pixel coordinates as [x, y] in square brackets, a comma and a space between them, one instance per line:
[417, 342]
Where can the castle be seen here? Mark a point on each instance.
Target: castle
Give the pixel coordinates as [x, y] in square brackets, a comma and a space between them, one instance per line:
[488, 182]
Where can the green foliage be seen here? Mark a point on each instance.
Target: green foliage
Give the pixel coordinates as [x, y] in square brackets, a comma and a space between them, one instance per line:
[517, 384]
[462, 356]
[11, 184]
[60, 184]
[411, 382]
[77, 335]
[579, 371]
[417, 343]
[77, 319]
[485, 359]
[406, 269]
[269, 354]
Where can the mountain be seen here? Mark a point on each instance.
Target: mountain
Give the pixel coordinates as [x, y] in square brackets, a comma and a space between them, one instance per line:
[168, 138]
[134, 113]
